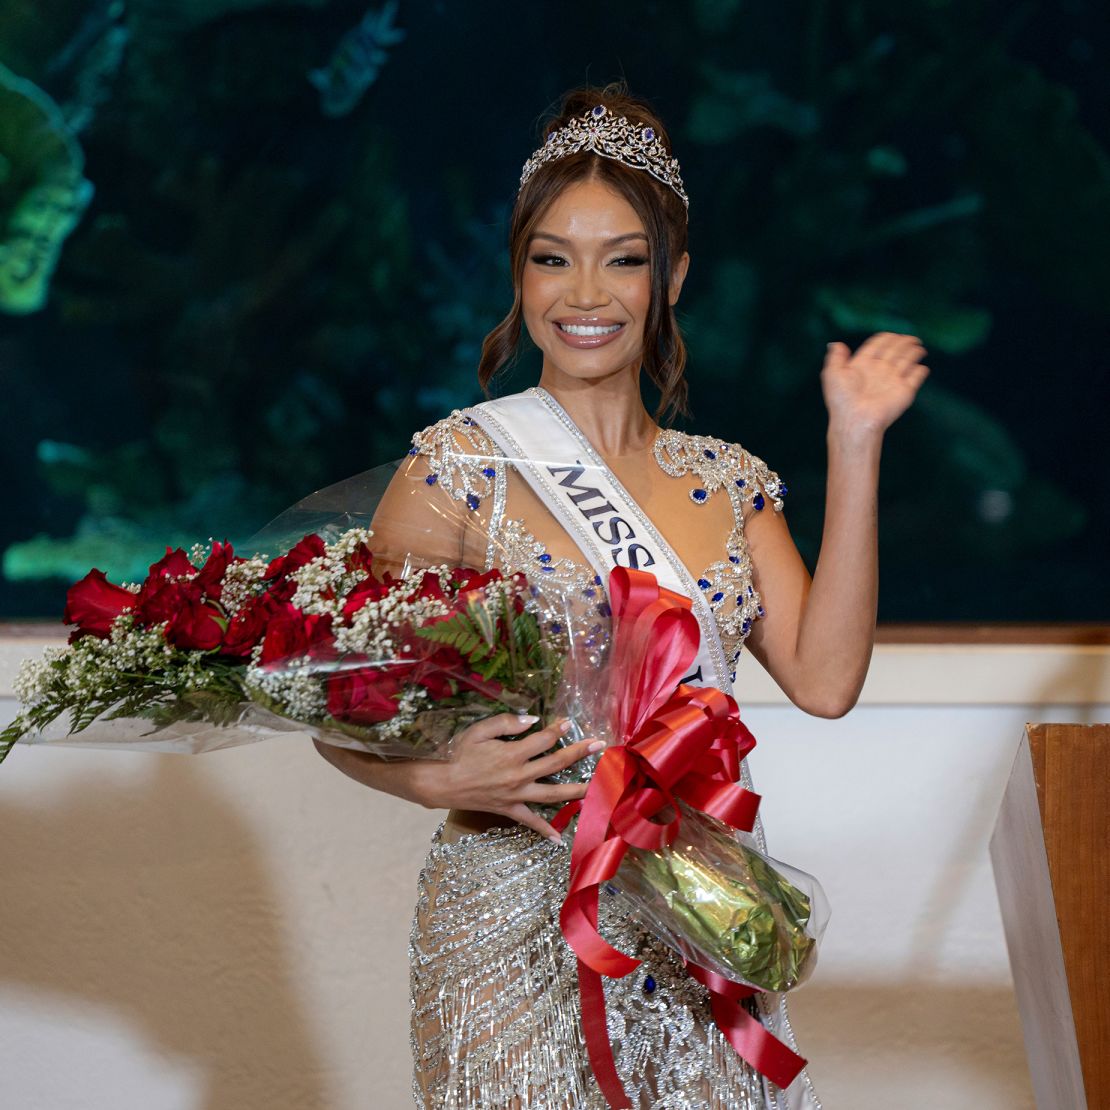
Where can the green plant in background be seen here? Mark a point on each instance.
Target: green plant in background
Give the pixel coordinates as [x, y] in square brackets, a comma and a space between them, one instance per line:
[297, 244]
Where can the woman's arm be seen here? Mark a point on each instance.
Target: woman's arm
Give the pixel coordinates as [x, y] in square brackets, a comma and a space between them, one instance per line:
[486, 772]
[817, 636]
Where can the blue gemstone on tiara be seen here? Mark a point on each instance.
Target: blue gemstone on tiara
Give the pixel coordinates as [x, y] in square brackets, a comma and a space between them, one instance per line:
[598, 111]
[647, 134]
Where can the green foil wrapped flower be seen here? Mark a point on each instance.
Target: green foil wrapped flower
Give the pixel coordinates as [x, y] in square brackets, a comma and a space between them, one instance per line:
[728, 907]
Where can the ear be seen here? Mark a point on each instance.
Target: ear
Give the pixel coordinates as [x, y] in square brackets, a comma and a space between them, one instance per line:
[678, 276]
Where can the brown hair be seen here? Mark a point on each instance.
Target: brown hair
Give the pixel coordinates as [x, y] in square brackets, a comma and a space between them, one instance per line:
[659, 208]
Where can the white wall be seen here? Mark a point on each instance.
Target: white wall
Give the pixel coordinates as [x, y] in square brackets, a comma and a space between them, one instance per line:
[229, 931]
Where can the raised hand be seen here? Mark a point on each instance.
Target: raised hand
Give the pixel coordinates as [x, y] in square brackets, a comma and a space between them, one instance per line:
[867, 391]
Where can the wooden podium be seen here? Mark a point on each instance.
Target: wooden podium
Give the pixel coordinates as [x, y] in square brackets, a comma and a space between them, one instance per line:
[1051, 857]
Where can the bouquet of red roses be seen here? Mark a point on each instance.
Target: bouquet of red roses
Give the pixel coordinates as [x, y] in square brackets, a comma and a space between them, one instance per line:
[213, 649]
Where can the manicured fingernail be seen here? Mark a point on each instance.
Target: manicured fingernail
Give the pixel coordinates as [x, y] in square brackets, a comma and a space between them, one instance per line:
[596, 746]
[527, 719]
[564, 726]
[556, 839]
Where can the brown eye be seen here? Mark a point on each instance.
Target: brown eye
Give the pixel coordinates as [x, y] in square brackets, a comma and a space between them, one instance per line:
[548, 260]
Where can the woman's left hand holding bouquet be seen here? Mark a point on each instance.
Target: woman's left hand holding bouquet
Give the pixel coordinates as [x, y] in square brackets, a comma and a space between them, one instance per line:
[484, 773]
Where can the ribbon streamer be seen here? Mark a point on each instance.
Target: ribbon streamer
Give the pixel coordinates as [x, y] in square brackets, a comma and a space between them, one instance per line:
[672, 743]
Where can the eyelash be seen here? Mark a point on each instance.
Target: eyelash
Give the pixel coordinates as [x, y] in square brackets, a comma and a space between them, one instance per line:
[626, 260]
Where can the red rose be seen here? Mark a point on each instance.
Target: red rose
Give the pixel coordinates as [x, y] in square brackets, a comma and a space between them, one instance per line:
[246, 628]
[210, 577]
[369, 590]
[435, 679]
[430, 586]
[362, 558]
[173, 564]
[311, 547]
[161, 599]
[292, 635]
[94, 603]
[196, 627]
[466, 579]
[366, 695]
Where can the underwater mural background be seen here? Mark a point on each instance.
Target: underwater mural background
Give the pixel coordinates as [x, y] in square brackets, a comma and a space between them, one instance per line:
[248, 247]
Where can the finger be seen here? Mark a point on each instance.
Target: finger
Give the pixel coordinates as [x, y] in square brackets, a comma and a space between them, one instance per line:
[503, 724]
[522, 815]
[917, 375]
[874, 345]
[542, 741]
[906, 346]
[556, 793]
[836, 354]
[565, 757]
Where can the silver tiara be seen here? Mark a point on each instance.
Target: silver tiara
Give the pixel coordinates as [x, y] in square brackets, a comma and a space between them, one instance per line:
[598, 130]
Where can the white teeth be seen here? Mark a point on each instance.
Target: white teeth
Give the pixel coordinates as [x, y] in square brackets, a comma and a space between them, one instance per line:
[589, 329]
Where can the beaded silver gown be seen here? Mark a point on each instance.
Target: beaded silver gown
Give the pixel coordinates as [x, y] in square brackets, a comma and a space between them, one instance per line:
[495, 1012]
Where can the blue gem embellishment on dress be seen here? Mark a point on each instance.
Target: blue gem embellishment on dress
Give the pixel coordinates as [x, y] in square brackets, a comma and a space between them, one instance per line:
[489, 472]
[473, 501]
[431, 479]
[649, 985]
[698, 495]
[704, 583]
[544, 558]
[709, 454]
[757, 502]
[741, 482]
[717, 596]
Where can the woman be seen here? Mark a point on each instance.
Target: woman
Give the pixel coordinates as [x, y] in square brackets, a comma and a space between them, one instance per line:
[598, 247]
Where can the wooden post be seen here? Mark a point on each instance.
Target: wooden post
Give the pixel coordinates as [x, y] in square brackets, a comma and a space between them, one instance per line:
[1051, 857]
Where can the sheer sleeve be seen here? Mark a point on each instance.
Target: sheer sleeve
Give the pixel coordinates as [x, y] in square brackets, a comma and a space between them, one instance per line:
[439, 506]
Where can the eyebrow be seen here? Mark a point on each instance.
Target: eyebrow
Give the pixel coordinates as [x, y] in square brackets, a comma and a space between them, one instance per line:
[608, 242]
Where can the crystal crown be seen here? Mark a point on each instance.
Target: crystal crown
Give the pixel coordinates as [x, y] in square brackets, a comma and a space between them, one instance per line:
[616, 137]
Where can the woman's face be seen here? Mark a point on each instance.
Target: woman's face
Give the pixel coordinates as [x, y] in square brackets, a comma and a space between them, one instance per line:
[586, 289]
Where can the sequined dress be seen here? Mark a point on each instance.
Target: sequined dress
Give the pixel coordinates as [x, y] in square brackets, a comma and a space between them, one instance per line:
[495, 1012]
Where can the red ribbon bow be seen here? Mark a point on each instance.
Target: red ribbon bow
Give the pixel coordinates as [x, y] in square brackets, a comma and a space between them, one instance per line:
[672, 742]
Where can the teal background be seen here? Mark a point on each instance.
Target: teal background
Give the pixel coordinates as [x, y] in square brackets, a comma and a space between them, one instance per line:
[224, 284]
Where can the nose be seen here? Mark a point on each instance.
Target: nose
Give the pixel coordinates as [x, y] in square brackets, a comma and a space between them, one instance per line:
[586, 290]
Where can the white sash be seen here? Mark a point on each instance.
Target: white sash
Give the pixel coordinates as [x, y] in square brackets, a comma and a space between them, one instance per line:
[588, 500]
[550, 452]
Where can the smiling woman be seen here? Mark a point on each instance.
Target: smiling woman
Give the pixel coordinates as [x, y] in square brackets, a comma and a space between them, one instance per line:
[638, 226]
[562, 483]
